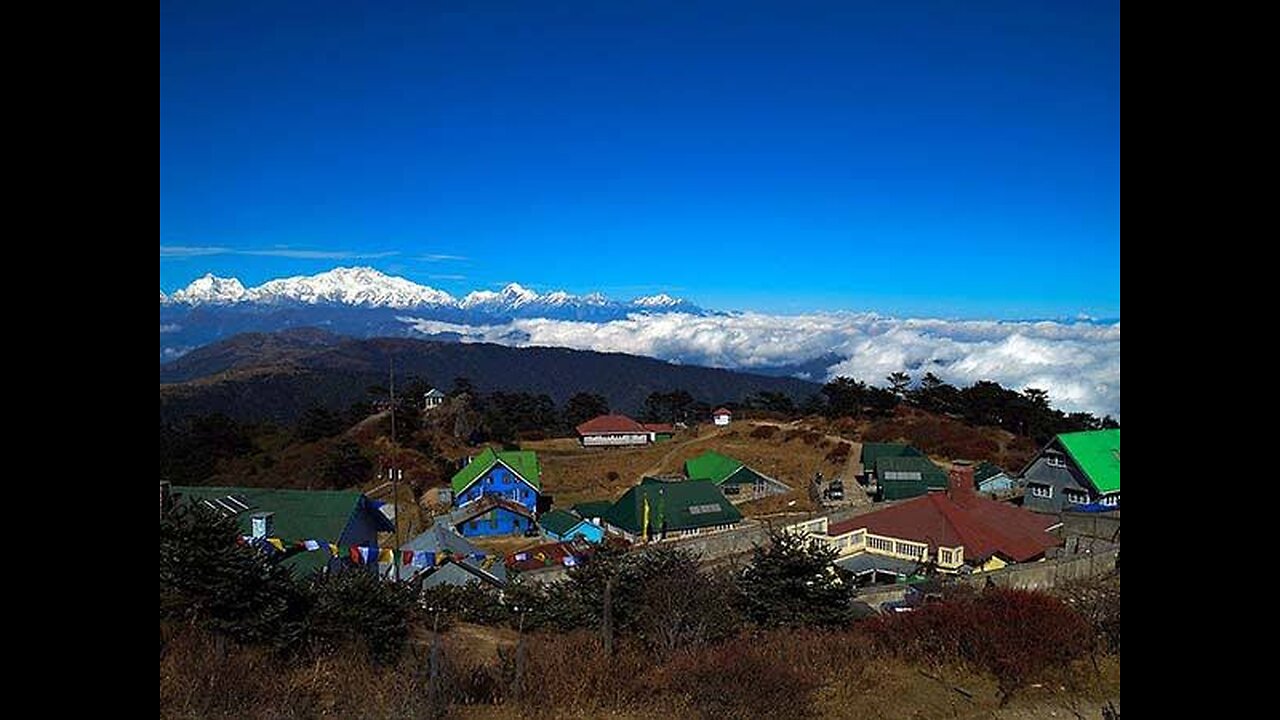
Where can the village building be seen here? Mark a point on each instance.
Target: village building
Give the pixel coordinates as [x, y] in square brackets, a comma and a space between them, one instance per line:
[660, 510]
[432, 399]
[721, 416]
[990, 479]
[492, 515]
[549, 555]
[563, 526]
[907, 476]
[872, 451]
[496, 493]
[342, 518]
[1080, 469]
[957, 531]
[592, 510]
[441, 556]
[620, 430]
[732, 476]
[512, 474]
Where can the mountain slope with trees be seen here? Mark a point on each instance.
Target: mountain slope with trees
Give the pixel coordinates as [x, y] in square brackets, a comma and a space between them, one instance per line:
[257, 377]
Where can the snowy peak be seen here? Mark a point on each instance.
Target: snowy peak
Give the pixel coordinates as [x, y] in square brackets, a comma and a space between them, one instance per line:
[512, 296]
[350, 286]
[659, 300]
[211, 290]
[371, 288]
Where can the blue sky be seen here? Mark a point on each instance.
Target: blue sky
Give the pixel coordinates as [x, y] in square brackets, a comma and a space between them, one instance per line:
[909, 158]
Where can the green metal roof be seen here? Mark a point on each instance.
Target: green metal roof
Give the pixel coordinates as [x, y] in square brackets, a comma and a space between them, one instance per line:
[299, 514]
[559, 521]
[743, 476]
[871, 452]
[930, 474]
[902, 489]
[1097, 453]
[523, 462]
[592, 508]
[683, 505]
[712, 466]
[985, 471]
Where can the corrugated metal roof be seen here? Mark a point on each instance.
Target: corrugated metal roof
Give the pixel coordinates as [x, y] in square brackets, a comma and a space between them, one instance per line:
[712, 466]
[523, 462]
[1097, 453]
[911, 468]
[559, 522]
[675, 503]
[610, 424]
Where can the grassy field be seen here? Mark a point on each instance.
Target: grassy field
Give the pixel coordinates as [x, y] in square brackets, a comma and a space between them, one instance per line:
[791, 455]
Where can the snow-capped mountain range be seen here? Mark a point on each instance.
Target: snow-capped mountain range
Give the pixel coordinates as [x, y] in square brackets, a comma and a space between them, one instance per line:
[363, 302]
[370, 288]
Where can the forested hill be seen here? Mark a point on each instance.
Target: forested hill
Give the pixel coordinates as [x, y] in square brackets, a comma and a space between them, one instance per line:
[256, 376]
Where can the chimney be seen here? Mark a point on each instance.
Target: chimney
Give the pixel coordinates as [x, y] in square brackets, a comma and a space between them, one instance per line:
[262, 524]
[166, 497]
[960, 480]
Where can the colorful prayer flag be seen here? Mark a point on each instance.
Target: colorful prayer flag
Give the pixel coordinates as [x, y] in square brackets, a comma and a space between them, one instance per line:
[385, 556]
[311, 544]
[276, 543]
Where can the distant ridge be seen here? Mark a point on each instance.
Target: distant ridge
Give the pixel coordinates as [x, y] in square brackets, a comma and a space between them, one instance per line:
[277, 376]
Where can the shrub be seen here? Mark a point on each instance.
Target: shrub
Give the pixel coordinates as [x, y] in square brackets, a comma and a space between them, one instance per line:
[1018, 635]
[764, 432]
[839, 454]
[357, 606]
[208, 578]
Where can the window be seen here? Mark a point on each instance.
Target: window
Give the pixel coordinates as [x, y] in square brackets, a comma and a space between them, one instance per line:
[1112, 500]
[1075, 496]
[1041, 491]
[1055, 461]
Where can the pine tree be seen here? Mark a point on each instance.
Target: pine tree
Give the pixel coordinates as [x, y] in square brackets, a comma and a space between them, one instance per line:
[791, 582]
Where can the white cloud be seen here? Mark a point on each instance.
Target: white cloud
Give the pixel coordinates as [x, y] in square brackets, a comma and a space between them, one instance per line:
[188, 251]
[1077, 363]
[169, 328]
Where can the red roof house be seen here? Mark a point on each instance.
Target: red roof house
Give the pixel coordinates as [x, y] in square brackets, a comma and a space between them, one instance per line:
[961, 518]
[613, 430]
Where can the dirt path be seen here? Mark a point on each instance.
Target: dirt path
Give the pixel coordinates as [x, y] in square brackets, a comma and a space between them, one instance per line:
[657, 467]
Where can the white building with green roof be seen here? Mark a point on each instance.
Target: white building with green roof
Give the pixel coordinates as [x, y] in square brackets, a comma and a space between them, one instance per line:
[1075, 469]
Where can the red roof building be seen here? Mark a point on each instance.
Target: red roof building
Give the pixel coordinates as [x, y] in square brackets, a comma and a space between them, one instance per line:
[721, 416]
[954, 528]
[615, 430]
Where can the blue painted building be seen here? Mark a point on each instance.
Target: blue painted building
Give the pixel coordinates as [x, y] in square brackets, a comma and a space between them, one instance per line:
[563, 526]
[991, 479]
[492, 515]
[512, 475]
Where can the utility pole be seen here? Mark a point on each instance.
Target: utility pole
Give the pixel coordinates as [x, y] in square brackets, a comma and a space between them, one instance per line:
[395, 479]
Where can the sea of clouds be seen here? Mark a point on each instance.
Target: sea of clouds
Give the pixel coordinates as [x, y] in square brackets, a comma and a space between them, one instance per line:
[1078, 363]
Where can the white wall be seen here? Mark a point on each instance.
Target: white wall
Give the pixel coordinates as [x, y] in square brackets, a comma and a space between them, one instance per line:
[616, 439]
